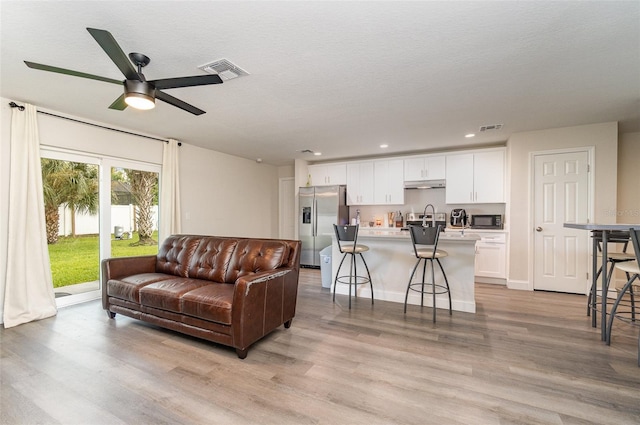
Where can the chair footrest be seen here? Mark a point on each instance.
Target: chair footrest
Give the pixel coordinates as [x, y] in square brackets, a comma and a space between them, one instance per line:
[357, 280]
[439, 289]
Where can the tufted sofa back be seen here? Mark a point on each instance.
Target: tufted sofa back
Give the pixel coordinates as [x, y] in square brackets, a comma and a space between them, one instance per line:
[223, 259]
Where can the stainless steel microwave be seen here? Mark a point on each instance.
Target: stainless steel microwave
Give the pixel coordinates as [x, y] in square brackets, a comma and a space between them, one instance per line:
[487, 221]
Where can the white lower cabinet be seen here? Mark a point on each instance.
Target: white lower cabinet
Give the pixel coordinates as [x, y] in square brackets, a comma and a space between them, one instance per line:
[491, 255]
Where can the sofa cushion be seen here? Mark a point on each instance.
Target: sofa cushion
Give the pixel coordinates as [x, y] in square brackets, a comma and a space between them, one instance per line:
[211, 258]
[175, 253]
[256, 255]
[166, 294]
[128, 288]
[212, 302]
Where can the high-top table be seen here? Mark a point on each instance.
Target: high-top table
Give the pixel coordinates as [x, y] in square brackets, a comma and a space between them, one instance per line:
[605, 229]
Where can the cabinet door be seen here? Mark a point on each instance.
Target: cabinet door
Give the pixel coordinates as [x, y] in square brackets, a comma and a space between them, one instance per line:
[488, 176]
[328, 174]
[435, 167]
[414, 169]
[389, 182]
[366, 183]
[395, 182]
[490, 260]
[360, 183]
[337, 174]
[459, 175]
[318, 174]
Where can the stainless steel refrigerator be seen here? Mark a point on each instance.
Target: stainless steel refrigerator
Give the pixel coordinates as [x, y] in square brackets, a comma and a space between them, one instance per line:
[320, 208]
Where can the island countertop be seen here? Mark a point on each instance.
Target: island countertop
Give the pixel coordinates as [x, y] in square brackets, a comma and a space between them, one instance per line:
[391, 259]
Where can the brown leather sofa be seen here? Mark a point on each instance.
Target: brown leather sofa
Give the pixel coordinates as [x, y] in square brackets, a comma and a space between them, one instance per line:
[232, 291]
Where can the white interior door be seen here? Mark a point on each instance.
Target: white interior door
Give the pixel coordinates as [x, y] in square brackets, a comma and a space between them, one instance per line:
[561, 195]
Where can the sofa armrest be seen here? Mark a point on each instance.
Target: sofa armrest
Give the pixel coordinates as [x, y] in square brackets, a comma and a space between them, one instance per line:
[262, 302]
[117, 268]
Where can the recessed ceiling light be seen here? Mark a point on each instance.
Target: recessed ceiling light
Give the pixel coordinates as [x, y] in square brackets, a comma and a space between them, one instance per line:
[384, 146]
[469, 135]
[317, 153]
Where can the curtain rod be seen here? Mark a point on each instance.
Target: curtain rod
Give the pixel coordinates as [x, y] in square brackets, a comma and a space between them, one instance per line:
[21, 108]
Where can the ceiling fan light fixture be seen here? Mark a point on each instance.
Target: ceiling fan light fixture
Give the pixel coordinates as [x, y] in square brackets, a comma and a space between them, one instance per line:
[139, 95]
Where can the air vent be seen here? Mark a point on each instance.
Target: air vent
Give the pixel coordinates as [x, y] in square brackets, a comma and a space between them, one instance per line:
[306, 151]
[225, 69]
[490, 127]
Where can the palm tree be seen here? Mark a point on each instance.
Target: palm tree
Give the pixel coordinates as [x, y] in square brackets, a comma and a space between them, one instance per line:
[70, 184]
[144, 189]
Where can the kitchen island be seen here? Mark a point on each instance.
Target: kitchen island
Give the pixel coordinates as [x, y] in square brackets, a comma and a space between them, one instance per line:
[391, 259]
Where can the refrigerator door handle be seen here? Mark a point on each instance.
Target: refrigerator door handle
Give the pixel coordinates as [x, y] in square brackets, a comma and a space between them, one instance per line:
[314, 230]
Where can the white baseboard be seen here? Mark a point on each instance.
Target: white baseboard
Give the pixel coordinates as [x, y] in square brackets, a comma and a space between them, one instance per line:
[522, 285]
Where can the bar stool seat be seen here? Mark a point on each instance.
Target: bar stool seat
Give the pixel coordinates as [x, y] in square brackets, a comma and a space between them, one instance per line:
[347, 240]
[425, 247]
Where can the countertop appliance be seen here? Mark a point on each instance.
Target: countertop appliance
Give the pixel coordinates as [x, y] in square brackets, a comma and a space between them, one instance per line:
[487, 221]
[417, 219]
[320, 208]
[458, 217]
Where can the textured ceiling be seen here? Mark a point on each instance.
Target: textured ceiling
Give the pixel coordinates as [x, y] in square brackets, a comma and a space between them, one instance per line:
[338, 77]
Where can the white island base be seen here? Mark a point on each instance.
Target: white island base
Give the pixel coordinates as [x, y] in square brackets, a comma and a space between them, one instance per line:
[391, 259]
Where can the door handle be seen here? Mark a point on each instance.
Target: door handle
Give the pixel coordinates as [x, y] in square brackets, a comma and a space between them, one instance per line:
[538, 229]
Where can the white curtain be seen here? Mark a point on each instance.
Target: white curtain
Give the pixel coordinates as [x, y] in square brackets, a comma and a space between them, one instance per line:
[29, 285]
[169, 192]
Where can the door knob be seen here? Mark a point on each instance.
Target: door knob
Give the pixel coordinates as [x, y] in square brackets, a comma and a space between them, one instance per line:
[538, 229]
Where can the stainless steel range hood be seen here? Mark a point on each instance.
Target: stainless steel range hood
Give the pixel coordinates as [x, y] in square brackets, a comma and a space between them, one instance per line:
[424, 184]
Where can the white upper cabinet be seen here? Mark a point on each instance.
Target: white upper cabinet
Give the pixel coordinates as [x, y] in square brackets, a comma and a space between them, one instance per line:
[328, 174]
[429, 167]
[475, 178]
[360, 183]
[388, 182]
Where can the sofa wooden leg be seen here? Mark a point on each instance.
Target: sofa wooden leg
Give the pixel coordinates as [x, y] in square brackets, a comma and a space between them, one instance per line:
[242, 353]
[287, 324]
[111, 314]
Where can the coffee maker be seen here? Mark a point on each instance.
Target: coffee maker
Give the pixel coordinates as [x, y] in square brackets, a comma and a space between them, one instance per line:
[458, 217]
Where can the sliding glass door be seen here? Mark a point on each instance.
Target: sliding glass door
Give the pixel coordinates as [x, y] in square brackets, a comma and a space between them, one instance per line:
[95, 208]
[134, 208]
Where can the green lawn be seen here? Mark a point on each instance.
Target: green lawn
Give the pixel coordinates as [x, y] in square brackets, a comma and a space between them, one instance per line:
[76, 260]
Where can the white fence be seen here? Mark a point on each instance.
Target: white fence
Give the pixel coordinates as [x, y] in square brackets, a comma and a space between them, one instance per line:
[89, 224]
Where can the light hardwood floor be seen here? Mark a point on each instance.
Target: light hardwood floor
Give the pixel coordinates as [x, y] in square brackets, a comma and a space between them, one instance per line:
[523, 358]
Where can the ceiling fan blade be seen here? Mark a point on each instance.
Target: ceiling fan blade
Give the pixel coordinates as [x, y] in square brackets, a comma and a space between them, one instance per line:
[198, 80]
[113, 50]
[178, 103]
[70, 72]
[119, 104]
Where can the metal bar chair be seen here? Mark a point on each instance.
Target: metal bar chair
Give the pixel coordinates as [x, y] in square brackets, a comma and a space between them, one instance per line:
[425, 247]
[347, 239]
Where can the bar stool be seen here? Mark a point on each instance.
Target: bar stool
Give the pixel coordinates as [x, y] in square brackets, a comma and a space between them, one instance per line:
[425, 247]
[632, 269]
[347, 239]
[613, 258]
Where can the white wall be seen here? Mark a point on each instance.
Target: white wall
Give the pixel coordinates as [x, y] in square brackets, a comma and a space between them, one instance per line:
[221, 194]
[604, 137]
[628, 178]
[226, 195]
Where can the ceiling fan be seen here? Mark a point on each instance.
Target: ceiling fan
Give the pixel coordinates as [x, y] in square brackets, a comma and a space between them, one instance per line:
[138, 92]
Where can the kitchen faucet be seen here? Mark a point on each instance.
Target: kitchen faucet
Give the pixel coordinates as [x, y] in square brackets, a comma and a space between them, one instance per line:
[433, 216]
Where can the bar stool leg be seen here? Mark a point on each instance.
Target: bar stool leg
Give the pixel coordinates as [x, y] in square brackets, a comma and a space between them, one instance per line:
[433, 288]
[413, 272]
[337, 275]
[446, 281]
[368, 275]
[424, 271]
[351, 267]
